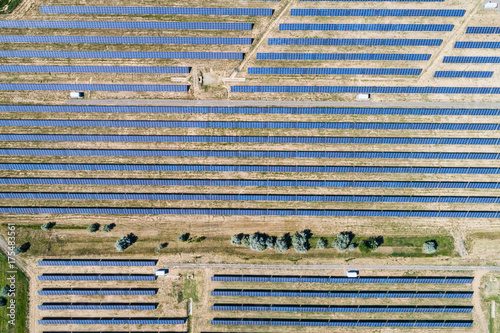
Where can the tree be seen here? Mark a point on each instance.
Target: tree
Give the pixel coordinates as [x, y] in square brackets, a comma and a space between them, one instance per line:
[245, 241]
[93, 227]
[22, 248]
[300, 241]
[370, 244]
[351, 247]
[4, 292]
[183, 237]
[343, 240]
[271, 242]
[47, 226]
[282, 244]
[430, 246]
[3, 302]
[236, 239]
[108, 227]
[125, 242]
[322, 243]
[162, 246]
[258, 241]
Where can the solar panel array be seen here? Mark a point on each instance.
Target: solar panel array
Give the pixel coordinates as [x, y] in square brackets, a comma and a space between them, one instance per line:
[242, 197]
[351, 41]
[126, 25]
[95, 69]
[335, 308]
[464, 74]
[247, 154]
[334, 71]
[93, 87]
[343, 294]
[155, 10]
[380, 0]
[78, 262]
[92, 306]
[249, 139]
[482, 30]
[112, 321]
[471, 60]
[477, 45]
[339, 323]
[378, 12]
[343, 56]
[341, 279]
[96, 292]
[366, 27]
[96, 277]
[125, 40]
[250, 182]
[121, 55]
[366, 90]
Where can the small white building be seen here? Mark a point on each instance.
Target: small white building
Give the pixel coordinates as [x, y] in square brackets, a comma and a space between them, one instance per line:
[363, 97]
[161, 272]
[491, 5]
[352, 274]
[76, 94]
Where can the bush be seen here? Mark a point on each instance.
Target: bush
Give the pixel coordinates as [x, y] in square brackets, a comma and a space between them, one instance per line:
[3, 302]
[108, 227]
[21, 248]
[4, 292]
[183, 237]
[351, 247]
[371, 244]
[162, 246]
[300, 241]
[93, 227]
[200, 239]
[245, 241]
[430, 246]
[282, 244]
[343, 240]
[271, 242]
[236, 239]
[125, 242]
[258, 241]
[322, 243]
[48, 226]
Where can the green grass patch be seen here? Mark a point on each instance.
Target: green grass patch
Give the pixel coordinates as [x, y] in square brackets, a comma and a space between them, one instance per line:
[21, 297]
[7, 6]
[189, 289]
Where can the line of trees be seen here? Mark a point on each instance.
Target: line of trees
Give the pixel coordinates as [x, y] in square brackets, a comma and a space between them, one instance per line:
[260, 241]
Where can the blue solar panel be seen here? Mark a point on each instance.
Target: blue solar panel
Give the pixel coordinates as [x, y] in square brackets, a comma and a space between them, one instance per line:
[378, 12]
[334, 71]
[97, 306]
[477, 45]
[471, 60]
[126, 25]
[366, 27]
[97, 292]
[482, 30]
[344, 41]
[155, 10]
[77, 262]
[112, 321]
[121, 55]
[379, 0]
[92, 87]
[96, 277]
[125, 40]
[94, 69]
[464, 74]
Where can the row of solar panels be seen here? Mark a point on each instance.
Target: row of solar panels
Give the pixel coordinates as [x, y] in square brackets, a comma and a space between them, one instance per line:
[77, 262]
[337, 279]
[97, 307]
[477, 45]
[482, 30]
[251, 124]
[333, 308]
[343, 56]
[96, 292]
[367, 90]
[126, 25]
[95, 69]
[93, 87]
[379, 0]
[464, 74]
[155, 10]
[351, 41]
[248, 139]
[245, 110]
[111, 321]
[248, 154]
[126, 40]
[253, 168]
[244, 197]
[96, 277]
[378, 12]
[335, 323]
[248, 212]
[241, 182]
[366, 27]
[121, 55]
[343, 294]
[471, 60]
[334, 71]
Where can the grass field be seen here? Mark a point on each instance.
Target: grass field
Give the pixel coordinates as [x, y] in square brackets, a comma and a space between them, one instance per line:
[21, 297]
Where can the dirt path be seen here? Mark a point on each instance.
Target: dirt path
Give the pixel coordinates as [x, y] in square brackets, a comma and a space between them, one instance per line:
[476, 300]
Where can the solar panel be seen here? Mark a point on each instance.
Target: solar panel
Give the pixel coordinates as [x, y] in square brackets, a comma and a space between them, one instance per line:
[334, 71]
[363, 42]
[94, 69]
[367, 90]
[366, 27]
[121, 55]
[378, 12]
[93, 87]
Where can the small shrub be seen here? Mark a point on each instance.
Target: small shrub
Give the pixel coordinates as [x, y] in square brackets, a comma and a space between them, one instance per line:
[183, 237]
[200, 239]
[4, 292]
[93, 227]
[258, 241]
[125, 242]
[162, 246]
[108, 227]
[3, 302]
[282, 244]
[271, 242]
[300, 241]
[343, 240]
[236, 239]
[245, 241]
[430, 246]
[48, 226]
[21, 248]
[322, 243]
[351, 247]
